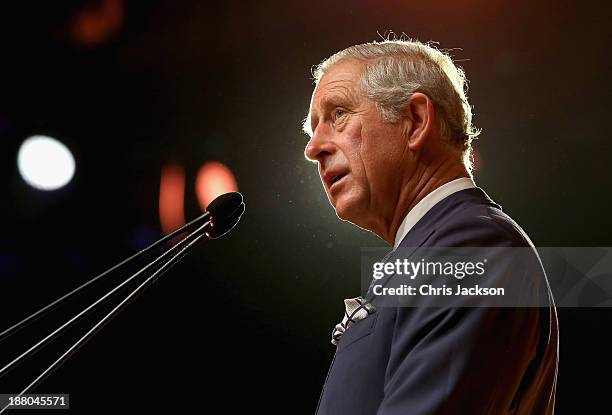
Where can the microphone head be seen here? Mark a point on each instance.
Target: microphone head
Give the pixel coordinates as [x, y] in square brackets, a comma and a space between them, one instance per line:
[225, 212]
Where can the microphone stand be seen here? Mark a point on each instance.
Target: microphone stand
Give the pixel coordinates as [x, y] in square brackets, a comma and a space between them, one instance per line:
[181, 246]
[185, 245]
[185, 228]
[227, 209]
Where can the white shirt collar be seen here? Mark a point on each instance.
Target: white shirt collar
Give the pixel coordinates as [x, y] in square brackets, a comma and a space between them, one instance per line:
[425, 204]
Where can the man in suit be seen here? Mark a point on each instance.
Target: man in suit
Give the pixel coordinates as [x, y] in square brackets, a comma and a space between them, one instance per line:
[390, 129]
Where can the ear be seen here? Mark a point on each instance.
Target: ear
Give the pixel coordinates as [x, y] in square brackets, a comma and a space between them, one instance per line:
[419, 120]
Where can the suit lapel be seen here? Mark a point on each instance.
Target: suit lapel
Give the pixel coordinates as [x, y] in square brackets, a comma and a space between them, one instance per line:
[427, 226]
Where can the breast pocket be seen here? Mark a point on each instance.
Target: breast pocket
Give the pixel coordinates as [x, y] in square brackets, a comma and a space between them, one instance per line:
[357, 332]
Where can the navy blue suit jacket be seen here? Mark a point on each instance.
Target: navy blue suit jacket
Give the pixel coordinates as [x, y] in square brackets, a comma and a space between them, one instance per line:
[435, 361]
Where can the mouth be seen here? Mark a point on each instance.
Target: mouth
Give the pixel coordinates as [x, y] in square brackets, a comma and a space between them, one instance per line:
[333, 179]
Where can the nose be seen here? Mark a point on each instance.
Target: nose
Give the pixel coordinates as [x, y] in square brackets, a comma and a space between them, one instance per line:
[320, 144]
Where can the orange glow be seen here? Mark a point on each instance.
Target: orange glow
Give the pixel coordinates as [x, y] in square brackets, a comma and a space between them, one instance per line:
[214, 179]
[95, 24]
[172, 198]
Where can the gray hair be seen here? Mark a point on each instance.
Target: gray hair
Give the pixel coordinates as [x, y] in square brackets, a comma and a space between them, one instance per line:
[395, 69]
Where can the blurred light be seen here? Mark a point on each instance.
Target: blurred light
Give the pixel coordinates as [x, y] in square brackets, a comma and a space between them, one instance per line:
[214, 179]
[45, 163]
[171, 198]
[96, 23]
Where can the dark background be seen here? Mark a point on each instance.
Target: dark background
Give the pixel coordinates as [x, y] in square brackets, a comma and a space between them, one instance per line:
[245, 322]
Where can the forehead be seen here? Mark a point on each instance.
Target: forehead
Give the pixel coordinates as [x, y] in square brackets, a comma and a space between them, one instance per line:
[339, 86]
[341, 79]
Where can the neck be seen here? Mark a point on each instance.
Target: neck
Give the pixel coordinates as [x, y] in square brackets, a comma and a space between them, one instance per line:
[424, 181]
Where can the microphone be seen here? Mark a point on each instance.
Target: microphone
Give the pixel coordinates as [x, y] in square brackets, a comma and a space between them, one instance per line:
[221, 215]
[225, 212]
[222, 208]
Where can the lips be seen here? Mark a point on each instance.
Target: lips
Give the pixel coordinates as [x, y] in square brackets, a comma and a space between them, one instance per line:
[336, 178]
[333, 177]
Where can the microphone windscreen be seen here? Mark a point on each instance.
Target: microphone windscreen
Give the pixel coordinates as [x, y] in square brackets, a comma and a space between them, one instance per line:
[224, 205]
[225, 212]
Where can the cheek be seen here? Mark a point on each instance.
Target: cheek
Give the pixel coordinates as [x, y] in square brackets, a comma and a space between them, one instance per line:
[381, 155]
[374, 155]
[352, 150]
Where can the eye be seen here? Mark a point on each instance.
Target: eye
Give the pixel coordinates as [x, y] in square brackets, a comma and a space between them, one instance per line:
[338, 113]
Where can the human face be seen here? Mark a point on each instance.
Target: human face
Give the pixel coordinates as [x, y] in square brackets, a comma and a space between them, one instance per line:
[360, 157]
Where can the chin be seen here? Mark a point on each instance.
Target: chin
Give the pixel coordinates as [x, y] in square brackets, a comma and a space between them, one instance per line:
[342, 215]
[348, 208]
